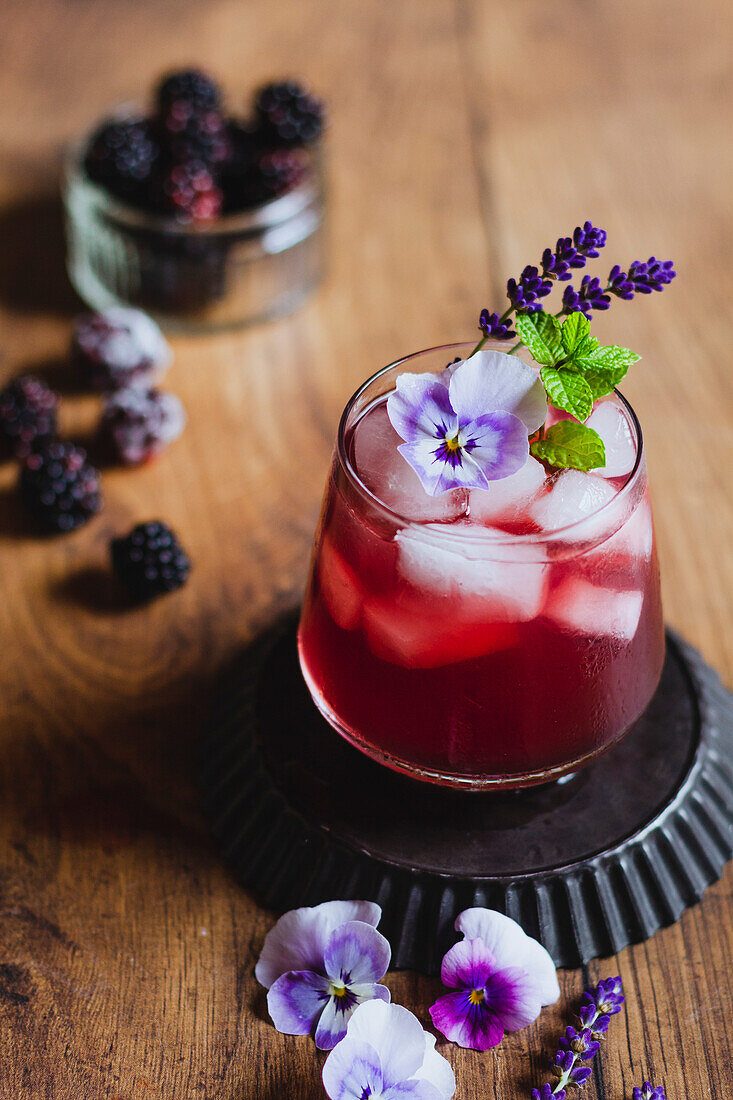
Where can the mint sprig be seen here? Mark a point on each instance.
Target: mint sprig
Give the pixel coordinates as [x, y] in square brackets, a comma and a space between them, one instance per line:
[576, 370]
[570, 445]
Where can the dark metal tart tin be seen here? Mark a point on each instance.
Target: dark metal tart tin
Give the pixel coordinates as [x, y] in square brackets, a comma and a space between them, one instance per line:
[587, 865]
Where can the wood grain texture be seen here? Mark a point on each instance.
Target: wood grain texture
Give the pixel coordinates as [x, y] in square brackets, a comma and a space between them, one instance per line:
[466, 135]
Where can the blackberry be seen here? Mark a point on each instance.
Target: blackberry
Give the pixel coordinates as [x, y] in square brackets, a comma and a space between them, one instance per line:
[269, 175]
[27, 415]
[121, 156]
[288, 114]
[189, 193]
[198, 137]
[139, 424]
[118, 348]
[150, 561]
[59, 487]
[191, 87]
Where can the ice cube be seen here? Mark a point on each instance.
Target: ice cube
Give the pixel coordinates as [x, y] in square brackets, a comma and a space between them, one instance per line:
[390, 477]
[590, 609]
[469, 563]
[613, 427]
[340, 586]
[404, 636]
[508, 498]
[573, 497]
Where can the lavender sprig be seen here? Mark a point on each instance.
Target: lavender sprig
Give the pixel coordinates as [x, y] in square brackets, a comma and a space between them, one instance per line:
[576, 1047]
[496, 327]
[649, 1092]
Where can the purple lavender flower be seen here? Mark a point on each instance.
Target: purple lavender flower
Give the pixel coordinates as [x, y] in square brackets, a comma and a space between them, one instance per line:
[387, 1054]
[524, 292]
[501, 981]
[649, 1092]
[581, 1043]
[546, 1093]
[590, 296]
[566, 1069]
[470, 426]
[606, 998]
[319, 964]
[641, 278]
[587, 240]
[492, 325]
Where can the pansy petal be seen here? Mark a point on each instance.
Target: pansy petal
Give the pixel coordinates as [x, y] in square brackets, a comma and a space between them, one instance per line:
[412, 1090]
[338, 1011]
[420, 406]
[298, 940]
[467, 965]
[395, 1033]
[356, 952]
[436, 475]
[352, 1070]
[499, 444]
[437, 1070]
[511, 946]
[492, 380]
[464, 1023]
[513, 998]
[296, 1000]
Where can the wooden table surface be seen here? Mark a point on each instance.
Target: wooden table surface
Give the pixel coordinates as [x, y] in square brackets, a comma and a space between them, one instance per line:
[466, 135]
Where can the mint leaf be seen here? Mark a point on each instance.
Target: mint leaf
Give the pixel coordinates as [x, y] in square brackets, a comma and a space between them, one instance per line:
[540, 333]
[568, 390]
[569, 445]
[613, 361]
[600, 383]
[575, 331]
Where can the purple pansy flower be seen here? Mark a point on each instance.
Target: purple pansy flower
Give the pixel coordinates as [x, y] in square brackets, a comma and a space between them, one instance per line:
[501, 976]
[320, 963]
[386, 1054]
[546, 1093]
[468, 426]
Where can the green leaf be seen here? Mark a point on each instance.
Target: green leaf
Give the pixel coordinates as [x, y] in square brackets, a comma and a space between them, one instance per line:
[568, 390]
[600, 383]
[611, 361]
[575, 331]
[540, 333]
[569, 445]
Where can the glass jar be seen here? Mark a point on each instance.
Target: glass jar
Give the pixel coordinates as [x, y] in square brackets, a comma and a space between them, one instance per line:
[238, 269]
[472, 649]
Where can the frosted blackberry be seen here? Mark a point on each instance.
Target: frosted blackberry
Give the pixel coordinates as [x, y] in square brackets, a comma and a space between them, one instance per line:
[118, 348]
[288, 114]
[189, 193]
[59, 487]
[198, 137]
[27, 415]
[121, 156]
[150, 561]
[138, 424]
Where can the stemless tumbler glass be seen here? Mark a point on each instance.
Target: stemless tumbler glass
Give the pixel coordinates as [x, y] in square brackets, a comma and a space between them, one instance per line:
[481, 639]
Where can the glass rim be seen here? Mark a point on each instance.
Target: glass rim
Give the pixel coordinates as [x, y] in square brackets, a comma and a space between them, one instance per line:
[265, 216]
[535, 538]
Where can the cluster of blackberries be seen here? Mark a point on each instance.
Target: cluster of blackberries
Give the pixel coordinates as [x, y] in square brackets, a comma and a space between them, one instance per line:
[192, 161]
[120, 353]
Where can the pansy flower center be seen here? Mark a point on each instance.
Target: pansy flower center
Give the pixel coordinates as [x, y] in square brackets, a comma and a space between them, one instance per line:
[337, 990]
[477, 996]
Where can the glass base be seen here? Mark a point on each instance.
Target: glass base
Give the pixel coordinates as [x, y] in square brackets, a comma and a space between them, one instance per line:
[560, 773]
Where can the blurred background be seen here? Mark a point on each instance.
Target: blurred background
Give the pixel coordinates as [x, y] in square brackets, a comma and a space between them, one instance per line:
[465, 136]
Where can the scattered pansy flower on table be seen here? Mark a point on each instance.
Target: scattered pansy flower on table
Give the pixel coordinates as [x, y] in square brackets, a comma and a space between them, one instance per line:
[471, 424]
[387, 1055]
[649, 1092]
[501, 976]
[318, 964]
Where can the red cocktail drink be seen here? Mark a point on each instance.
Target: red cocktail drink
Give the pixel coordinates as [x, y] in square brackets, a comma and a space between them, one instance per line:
[482, 638]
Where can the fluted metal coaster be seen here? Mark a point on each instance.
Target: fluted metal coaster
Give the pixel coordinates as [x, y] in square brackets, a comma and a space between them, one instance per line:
[586, 866]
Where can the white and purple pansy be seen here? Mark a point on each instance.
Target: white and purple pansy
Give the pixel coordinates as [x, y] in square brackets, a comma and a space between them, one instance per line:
[318, 964]
[501, 979]
[469, 425]
[387, 1055]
